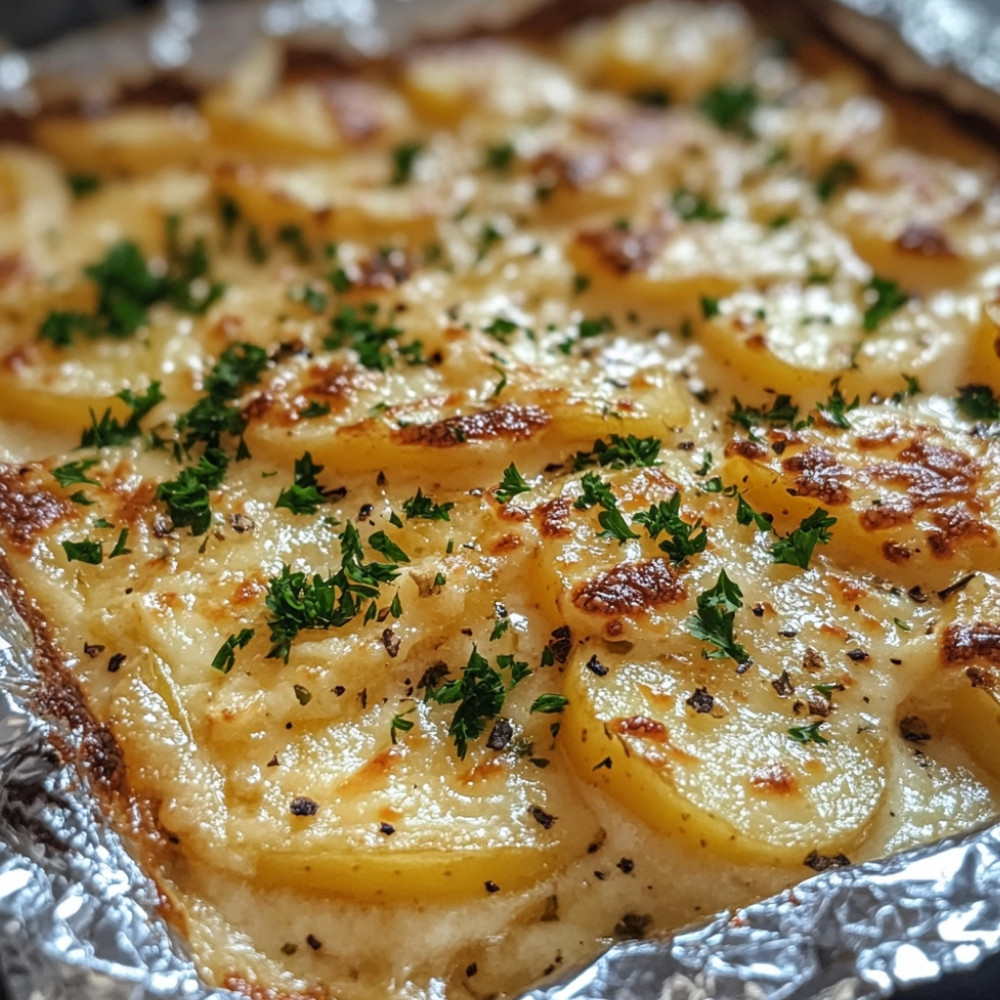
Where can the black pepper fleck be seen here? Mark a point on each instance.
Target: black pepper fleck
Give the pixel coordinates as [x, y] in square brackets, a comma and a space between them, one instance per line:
[542, 818]
[500, 735]
[115, 663]
[701, 701]
[821, 862]
[303, 806]
[491, 886]
[595, 666]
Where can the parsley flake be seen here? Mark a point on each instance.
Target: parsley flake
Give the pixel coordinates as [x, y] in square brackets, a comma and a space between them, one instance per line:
[619, 453]
[511, 485]
[884, 297]
[685, 539]
[808, 734]
[187, 496]
[714, 620]
[85, 552]
[797, 548]
[422, 506]
[225, 658]
[305, 496]
[109, 431]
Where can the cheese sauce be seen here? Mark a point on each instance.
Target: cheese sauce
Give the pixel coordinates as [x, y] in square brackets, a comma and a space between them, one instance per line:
[519, 498]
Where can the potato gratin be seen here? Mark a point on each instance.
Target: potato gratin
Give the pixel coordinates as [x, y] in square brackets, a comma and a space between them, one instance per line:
[512, 499]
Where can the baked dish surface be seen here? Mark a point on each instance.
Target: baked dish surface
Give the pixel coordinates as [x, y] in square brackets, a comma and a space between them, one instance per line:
[520, 496]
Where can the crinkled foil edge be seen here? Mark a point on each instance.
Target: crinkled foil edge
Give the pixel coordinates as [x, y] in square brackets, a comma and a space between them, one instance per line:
[78, 918]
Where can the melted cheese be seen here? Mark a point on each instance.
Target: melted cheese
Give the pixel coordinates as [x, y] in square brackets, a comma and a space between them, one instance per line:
[492, 255]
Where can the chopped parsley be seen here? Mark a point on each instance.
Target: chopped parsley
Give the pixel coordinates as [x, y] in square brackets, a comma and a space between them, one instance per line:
[619, 453]
[501, 329]
[808, 734]
[293, 238]
[834, 411]
[85, 552]
[314, 409]
[549, 704]
[597, 492]
[489, 236]
[422, 506]
[796, 549]
[884, 297]
[73, 473]
[693, 207]
[386, 547]
[80, 185]
[730, 106]
[297, 602]
[187, 496]
[312, 298]
[745, 514]
[109, 431]
[910, 389]
[709, 307]
[127, 288]
[714, 620]
[588, 328]
[225, 658]
[781, 411]
[239, 366]
[305, 496]
[359, 329]
[838, 174]
[685, 539]
[511, 485]
[121, 544]
[978, 402]
[400, 724]
[499, 156]
[479, 693]
[403, 160]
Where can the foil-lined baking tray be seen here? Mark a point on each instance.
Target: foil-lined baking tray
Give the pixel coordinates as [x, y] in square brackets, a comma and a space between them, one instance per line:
[78, 919]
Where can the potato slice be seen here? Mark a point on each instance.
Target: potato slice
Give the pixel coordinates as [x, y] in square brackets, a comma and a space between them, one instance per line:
[492, 79]
[683, 49]
[127, 140]
[914, 503]
[257, 115]
[796, 339]
[731, 778]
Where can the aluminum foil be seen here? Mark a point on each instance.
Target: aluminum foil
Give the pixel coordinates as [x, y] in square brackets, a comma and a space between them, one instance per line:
[78, 918]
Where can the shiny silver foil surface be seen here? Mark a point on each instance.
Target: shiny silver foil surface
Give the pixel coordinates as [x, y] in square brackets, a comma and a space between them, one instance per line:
[78, 918]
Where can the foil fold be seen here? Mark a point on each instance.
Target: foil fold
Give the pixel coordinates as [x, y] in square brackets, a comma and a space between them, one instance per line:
[78, 918]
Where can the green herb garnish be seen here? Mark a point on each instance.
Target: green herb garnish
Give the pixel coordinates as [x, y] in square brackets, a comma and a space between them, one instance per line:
[714, 620]
[109, 431]
[187, 496]
[225, 658]
[884, 297]
[422, 506]
[796, 549]
[511, 485]
[808, 734]
[685, 539]
[305, 496]
[619, 453]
